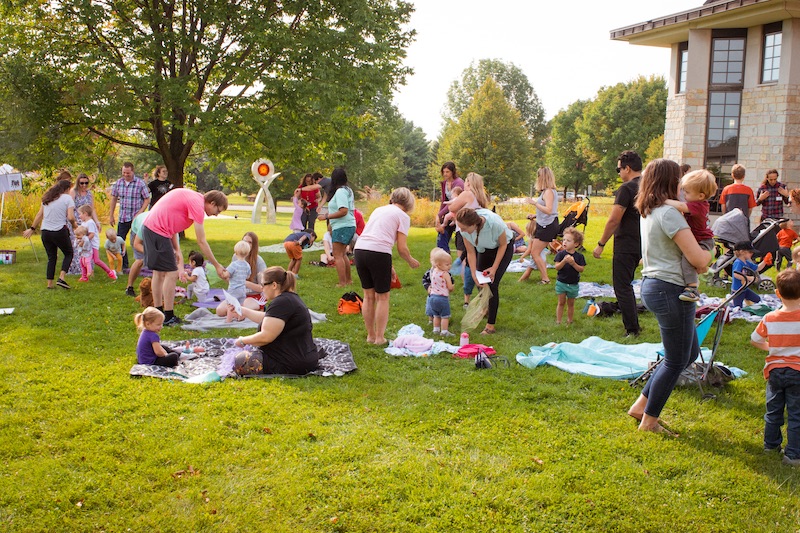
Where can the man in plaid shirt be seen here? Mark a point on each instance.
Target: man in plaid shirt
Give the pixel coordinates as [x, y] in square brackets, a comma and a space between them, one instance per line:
[133, 196]
[772, 195]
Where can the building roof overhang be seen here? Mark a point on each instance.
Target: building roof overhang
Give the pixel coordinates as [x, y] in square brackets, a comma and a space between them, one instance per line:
[668, 30]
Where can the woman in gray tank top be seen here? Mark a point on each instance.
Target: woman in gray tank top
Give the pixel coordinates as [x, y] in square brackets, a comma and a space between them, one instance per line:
[546, 222]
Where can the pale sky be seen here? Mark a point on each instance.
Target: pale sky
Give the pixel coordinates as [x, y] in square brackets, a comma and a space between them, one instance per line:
[563, 48]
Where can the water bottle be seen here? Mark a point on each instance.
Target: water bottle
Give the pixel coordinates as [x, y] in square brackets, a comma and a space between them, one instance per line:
[464, 339]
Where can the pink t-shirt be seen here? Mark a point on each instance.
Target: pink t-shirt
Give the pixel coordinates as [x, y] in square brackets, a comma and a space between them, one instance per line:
[380, 233]
[175, 212]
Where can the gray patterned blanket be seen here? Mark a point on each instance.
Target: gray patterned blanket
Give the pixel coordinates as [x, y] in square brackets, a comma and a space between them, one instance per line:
[212, 366]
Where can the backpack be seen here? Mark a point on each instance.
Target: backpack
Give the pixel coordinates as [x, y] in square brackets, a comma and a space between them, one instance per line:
[350, 304]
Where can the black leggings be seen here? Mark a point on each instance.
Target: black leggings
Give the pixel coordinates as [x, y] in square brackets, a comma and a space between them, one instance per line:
[485, 260]
[52, 242]
[170, 360]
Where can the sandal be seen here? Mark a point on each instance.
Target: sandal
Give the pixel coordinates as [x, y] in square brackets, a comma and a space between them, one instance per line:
[487, 331]
[544, 282]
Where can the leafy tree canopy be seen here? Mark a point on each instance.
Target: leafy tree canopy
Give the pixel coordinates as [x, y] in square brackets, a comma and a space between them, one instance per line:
[490, 139]
[244, 77]
[516, 87]
[627, 116]
[563, 152]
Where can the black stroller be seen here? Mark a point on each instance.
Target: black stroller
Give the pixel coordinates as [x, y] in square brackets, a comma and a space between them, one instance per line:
[577, 214]
[732, 227]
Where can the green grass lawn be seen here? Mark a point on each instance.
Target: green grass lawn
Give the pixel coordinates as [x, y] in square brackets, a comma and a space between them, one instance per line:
[402, 444]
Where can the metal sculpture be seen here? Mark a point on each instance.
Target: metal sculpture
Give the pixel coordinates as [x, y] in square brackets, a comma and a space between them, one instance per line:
[263, 172]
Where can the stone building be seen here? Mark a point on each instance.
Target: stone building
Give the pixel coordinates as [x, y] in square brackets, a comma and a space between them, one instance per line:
[734, 86]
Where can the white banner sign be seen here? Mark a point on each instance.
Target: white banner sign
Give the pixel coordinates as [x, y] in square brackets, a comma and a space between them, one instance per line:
[10, 182]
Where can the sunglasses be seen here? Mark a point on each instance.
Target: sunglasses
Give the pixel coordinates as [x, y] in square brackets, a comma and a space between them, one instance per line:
[84, 182]
[618, 169]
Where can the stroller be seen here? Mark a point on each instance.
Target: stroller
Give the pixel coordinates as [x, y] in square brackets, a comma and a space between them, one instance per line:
[704, 372]
[732, 227]
[577, 214]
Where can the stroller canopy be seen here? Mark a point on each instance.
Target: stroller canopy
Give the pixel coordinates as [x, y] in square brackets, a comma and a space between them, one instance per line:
[732, 227]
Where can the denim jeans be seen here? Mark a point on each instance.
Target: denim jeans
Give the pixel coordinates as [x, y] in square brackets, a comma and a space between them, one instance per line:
[783, 390]
[678, 334]
[443, 239]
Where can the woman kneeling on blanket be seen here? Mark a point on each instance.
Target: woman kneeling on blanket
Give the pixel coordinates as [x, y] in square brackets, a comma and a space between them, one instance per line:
[284, 329]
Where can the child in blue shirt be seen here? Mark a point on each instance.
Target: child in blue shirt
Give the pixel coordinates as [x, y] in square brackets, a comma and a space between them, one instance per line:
[744, 251]
[239, 271]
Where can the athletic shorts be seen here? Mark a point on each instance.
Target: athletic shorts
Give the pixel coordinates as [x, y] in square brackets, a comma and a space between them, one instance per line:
[343, 235]
[570, 289]
[293, 250]
[547, 233]
[159, 256]
[374, 269]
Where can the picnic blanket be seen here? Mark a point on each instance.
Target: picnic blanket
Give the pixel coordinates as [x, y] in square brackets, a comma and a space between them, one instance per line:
[411, 342]
[204, 320]
[209, 366]
[279, 249]
[600, 358]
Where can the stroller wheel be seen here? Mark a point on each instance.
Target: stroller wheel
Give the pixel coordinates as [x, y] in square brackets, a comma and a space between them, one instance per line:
[766, 285]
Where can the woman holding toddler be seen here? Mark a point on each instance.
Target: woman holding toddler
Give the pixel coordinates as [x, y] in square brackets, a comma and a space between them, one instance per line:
[666, 240]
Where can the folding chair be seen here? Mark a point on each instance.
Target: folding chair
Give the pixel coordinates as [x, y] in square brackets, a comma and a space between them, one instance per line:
[698, 371]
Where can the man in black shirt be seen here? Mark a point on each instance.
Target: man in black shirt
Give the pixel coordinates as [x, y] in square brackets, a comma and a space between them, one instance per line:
[623, 224]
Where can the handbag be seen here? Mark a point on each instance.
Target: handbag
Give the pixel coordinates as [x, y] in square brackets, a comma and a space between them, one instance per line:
[350, 304]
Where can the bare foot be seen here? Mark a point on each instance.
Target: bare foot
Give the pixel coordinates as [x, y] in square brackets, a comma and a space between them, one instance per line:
[370, 341]
[379, 342]
[658, 428]
[341, 285]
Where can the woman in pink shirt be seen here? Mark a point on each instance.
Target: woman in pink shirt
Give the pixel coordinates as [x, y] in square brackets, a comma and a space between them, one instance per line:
[373, 258]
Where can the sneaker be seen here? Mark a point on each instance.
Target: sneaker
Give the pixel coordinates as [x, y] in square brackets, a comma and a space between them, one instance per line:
[466, 304]
[777, 450]
[690, 294]
[174, 321]
[112, 275]
[633, 334]
[83, 279]
[446, 333]
[63, 284]
[790, 462]
[130, 292]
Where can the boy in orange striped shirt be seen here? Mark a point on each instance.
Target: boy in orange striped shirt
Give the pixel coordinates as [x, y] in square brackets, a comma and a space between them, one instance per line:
[779, 333]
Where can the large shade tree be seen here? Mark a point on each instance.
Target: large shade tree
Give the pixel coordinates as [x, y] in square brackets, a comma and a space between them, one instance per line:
[490, 139]
[626, 116]
[238, 76]
[564, 154]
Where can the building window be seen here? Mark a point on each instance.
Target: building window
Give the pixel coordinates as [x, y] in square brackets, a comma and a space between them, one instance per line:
[727, 62]
[771, 68]
[723, 122]
[683, 65]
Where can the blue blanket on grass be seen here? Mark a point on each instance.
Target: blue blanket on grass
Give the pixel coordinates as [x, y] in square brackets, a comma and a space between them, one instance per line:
[599, 358]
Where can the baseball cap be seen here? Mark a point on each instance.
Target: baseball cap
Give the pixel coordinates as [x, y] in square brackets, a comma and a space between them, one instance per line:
[744, 246]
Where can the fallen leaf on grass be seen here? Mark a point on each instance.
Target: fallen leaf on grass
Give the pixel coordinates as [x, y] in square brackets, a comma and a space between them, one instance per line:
[334, 519]
[79, 503]
[267, 431]
[538, 461]
[311, 436]
[430, 450]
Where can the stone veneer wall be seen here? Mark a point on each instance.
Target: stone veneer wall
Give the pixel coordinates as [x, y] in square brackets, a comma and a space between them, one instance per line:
[770, 132]
[685, 129]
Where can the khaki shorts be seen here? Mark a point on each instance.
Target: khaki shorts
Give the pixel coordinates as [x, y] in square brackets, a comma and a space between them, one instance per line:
[293, 250]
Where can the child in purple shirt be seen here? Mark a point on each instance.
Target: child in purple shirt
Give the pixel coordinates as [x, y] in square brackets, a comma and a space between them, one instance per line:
[149, 350]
